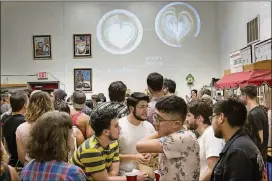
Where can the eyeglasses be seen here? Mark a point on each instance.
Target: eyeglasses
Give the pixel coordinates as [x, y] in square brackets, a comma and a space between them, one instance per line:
[158, 119]
[211, 117]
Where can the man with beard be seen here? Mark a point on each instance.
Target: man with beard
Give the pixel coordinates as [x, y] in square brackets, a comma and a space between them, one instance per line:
[240, 159]
[134, 127]
[98, 156]
[198, 119]
[257, 118]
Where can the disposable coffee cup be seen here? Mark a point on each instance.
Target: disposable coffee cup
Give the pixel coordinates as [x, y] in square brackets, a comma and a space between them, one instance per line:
[157, 175]
[131, 176]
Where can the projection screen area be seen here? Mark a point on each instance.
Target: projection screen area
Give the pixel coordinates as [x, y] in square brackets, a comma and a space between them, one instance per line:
[120, 31]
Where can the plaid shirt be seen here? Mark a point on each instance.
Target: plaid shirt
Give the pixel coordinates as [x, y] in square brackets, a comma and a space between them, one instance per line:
[121, 108]
[51, 170]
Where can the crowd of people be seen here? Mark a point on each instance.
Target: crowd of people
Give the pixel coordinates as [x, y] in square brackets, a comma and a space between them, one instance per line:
[49, 137]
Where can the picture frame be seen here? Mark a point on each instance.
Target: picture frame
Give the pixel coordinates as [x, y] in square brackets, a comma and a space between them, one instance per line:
[83, 79]
[82, 45]
[42, 48]
[262, 50]
[246, 55]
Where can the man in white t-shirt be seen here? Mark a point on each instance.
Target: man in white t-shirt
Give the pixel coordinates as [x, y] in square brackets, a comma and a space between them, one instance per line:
[198, 119]
[134, 127]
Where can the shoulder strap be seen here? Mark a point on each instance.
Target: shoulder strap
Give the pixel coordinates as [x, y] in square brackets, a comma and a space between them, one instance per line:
[75, 117]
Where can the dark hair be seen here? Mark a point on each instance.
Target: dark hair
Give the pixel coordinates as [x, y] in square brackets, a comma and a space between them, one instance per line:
[79, 97]
[194, 90]
[250, 91]
[28, 92]
[63, 107]
[101, 119]
[234, 110]
[155, 81]
[89, 104]
[50, 136]
[60, 95]
[206, 91]
[202, 108]
[192, 107]
[117, 91]
[170, 84]
[234, 96]
[17, 100]
[135, 98]
[101, 98]
[172, 104]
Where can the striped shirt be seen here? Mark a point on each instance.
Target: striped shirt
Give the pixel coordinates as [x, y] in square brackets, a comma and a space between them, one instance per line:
[93, 158]
[51, 170]
[121, 108]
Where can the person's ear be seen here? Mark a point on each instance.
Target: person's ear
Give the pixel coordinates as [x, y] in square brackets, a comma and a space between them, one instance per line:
[131, 108]
[200, 118]
[221, 118]
[106, 132]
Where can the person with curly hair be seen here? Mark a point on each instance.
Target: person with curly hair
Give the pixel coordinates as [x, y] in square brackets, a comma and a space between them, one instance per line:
[39, 104]
[98, 156]
[49, 147]
[58, 96]
[199, 120]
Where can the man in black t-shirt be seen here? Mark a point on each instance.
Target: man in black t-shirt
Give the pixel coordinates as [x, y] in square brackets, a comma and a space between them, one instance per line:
[256, 115]
[18, 103]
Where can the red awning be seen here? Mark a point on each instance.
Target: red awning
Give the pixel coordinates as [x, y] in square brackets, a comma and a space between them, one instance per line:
[241, 79]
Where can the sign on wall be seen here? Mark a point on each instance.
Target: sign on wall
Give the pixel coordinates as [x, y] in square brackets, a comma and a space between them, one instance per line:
[42, 75]
[236, 64]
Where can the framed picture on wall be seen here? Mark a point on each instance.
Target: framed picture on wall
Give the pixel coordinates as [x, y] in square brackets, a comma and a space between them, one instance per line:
[83, 79]
[82, 45]
[42, 47]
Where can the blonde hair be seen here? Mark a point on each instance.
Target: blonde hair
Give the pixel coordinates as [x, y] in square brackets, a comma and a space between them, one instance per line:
[39, 104]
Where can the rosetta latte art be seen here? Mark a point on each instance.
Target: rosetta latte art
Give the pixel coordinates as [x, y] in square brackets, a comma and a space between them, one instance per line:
[177, 22]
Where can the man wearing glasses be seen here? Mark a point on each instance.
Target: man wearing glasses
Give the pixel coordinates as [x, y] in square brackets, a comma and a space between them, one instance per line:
[178, 149]
[240, 159]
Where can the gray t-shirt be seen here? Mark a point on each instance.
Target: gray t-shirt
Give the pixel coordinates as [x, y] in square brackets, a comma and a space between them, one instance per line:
[151, 110]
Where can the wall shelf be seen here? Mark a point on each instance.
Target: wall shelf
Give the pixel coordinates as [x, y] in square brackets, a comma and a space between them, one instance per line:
[263, 65]
[12, 85]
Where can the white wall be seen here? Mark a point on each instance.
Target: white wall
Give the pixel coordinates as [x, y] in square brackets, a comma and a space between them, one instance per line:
[232, 19]
[21, 20]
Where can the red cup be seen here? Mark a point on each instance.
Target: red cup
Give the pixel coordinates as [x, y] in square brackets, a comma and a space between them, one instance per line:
[157, 175]
[131, 176]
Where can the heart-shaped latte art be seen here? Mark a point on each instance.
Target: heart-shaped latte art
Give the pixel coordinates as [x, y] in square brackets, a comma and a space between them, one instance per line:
[119, 33]
[176, 27]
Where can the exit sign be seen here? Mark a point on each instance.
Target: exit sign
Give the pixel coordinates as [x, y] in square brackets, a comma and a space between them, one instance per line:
[42, 75]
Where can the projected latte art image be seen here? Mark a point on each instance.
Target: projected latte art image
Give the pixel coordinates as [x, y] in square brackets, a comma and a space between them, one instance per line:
[119, 32]
[176, 23]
